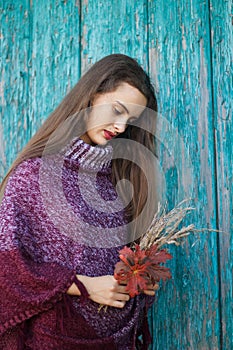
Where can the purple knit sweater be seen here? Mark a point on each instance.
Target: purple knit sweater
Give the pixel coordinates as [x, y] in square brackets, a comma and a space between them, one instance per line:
[60, 216]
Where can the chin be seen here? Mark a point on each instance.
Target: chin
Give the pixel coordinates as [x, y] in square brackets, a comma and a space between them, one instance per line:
[100, 141]
[103, 143]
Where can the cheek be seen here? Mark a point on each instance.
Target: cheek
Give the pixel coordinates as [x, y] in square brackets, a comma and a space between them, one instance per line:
[100, 115]
[97, 125]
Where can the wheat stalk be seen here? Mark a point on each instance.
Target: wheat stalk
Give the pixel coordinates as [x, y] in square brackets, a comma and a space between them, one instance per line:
[163, 228]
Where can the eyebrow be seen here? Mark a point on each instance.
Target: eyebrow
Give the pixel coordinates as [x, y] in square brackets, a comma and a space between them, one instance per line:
[121, 104]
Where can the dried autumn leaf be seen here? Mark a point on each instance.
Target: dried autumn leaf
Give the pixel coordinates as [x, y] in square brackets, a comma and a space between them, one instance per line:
[138, 268]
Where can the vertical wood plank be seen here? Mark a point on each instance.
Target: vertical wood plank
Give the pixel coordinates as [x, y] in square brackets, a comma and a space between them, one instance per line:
[222, 62]
[15, 43]
[42, 57]
[114, 26]
[40, 44]
[55, 62]
[186, 315]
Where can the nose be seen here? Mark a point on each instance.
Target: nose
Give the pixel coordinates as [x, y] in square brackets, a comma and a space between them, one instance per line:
[120, 125]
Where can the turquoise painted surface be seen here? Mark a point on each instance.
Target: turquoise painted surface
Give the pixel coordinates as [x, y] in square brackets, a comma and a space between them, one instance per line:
[222, 82]
[40, 61]
[15, 42]
[187, 49]
[114, 26]
[187, 312]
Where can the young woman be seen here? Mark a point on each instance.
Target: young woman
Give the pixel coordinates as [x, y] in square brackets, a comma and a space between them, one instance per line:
[66, 211]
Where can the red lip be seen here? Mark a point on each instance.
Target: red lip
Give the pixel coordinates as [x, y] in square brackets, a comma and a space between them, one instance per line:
[108, 134]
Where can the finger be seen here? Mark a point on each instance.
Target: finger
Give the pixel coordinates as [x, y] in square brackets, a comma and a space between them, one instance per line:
[120, 289]
[149, 292]
[122, 283]
[120, 297]
[118, 304]
[153, 286]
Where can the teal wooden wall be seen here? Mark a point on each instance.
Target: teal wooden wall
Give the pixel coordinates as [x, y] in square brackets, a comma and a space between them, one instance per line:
[187, 47]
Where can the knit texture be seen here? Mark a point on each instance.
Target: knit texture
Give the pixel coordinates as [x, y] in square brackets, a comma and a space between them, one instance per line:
[61, 216]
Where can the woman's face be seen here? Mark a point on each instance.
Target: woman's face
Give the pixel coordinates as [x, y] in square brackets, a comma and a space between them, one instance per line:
[111, 112]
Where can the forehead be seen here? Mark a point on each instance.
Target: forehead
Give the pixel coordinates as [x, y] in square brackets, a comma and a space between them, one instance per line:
[129, 94]
[125, 94]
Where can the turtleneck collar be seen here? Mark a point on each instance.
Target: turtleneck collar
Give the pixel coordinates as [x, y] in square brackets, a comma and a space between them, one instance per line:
[87, 157]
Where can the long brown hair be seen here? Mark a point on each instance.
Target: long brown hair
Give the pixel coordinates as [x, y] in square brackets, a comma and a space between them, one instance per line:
[104, 76]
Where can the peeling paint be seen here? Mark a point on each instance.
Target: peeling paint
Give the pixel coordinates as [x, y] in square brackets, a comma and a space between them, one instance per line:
[222, 54]
[204, 128]
[51, 47]
[2, 98]
[179, 36]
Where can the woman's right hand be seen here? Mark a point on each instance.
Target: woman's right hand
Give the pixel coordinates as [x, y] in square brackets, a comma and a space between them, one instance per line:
[104, 290]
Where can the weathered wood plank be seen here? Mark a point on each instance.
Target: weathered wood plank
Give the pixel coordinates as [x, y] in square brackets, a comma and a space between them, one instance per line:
[186, 315]
[222, 62]
[15, 43]
[43, 56]
[114, 26]
[55, 61]
[40, 44]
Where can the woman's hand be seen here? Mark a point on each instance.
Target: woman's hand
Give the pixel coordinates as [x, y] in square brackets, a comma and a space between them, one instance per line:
[151, 289]
[103, 290]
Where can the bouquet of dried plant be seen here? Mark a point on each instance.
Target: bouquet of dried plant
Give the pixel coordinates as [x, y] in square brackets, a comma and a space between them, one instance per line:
[140, 264]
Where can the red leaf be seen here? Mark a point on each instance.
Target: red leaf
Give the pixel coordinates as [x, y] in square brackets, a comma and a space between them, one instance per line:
[158, 256]
[158, 272]
[136, 284]
[140, 267]
[121, 272]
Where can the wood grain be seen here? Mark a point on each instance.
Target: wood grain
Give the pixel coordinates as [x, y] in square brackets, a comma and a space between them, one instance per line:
[186, 46]
[222, 84]
[40, 44]
[186, 315]
[15, 43]
[114, 26]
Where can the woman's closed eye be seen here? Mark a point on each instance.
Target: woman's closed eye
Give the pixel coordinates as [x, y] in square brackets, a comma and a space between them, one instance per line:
[117, 111]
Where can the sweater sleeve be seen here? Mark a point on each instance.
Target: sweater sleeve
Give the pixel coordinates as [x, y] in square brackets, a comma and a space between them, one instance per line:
[28, 287]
